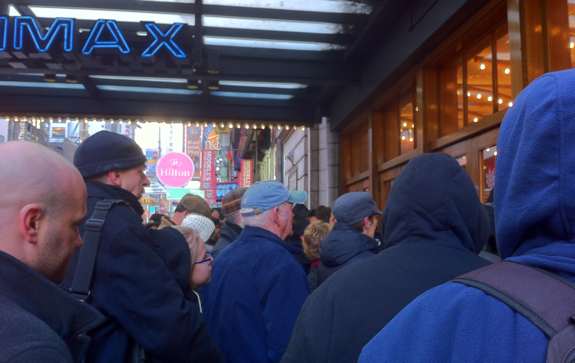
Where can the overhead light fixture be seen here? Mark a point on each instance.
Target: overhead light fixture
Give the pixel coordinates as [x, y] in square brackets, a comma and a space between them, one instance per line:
[213, 85]
[71, 79]
[194, 83]
[50, 77]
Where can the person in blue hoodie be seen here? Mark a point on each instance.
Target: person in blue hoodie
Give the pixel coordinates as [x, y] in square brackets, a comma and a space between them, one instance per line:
[434, 227]
[535, 212]
[351, 239]
[257, 287]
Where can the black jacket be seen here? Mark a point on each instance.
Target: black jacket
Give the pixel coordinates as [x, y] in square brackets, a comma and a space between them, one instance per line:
[228, 234]
[342, 246]
[434, 226]
[38, 321]
[295, 247]
[134, 287]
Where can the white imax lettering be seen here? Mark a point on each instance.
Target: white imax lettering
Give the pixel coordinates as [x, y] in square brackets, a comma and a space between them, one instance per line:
[23, 32]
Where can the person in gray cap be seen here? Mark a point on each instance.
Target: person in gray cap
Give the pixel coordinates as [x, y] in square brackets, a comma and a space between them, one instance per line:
[257, 287]
[131, 283]
[352, 237]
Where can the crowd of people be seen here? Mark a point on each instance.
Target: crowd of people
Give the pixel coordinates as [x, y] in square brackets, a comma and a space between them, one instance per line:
[265, 279]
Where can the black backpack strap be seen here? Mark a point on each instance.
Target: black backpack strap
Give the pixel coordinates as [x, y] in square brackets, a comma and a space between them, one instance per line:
[543, 298]
[82, 281]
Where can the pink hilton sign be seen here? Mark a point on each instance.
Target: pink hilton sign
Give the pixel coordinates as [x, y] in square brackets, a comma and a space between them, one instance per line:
[175, 169]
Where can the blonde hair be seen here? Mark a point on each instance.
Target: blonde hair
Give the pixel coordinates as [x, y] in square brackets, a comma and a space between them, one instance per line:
[312, 236]
[194, 242]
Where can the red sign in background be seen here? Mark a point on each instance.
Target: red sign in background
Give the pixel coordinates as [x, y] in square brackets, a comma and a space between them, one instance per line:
[175, 169]
[246, 173]
[208, 180]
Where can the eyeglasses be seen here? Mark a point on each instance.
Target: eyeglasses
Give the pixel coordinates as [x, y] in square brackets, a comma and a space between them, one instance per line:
[208, 258]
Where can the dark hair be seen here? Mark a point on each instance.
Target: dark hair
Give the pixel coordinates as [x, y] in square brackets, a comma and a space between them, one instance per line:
[300, 219]
[359, 225]
[158, 220]
[322, 212]
[180, 208]
[219, 210]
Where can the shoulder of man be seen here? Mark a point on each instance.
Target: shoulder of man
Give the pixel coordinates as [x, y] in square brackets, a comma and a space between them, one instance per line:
[39, 353]
[26, 338]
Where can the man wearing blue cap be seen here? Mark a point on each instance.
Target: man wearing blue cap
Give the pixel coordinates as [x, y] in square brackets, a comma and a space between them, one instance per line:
[257, 287]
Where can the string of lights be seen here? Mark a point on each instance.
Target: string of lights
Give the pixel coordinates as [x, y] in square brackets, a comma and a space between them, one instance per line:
[227, 124]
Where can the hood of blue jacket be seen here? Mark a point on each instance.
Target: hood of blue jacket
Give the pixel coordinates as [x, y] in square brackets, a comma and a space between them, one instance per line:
[344, 243]
[535, 179]
[434, 200]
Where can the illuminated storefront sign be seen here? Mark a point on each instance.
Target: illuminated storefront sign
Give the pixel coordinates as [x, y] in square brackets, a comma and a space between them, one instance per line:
[24, 32]
[175, 169]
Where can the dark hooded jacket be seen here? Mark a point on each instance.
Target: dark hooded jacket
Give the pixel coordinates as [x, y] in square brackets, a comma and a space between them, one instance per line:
[535, 215]
[434, 226]
[229, 232]
[342, 246]
[39, 322]
[135, 289]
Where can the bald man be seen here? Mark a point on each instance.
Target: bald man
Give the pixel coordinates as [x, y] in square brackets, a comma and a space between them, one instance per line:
[41, 206]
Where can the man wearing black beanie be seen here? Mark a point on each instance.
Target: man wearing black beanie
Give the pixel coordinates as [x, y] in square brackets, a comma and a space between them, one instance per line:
[131, 284]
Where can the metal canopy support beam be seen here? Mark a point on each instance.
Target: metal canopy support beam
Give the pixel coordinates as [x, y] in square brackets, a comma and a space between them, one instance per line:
[310, 73]
[291, 112]
[24, 10]
[404, 44]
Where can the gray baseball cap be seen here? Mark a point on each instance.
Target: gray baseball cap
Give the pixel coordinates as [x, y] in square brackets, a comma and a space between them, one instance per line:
[352, 207]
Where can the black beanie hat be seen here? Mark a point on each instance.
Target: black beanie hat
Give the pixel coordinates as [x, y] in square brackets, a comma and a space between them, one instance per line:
[105, 151]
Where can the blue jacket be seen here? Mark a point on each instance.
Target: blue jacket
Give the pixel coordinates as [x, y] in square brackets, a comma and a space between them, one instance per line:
[535, 215]
[38, 321]
[342, 246]
[255, 295]
[135, 289]
[434, 226]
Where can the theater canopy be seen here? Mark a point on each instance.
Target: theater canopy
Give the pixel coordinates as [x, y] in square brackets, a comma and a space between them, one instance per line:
[277, 60]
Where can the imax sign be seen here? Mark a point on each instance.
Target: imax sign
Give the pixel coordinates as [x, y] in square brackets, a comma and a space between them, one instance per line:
[24, 32]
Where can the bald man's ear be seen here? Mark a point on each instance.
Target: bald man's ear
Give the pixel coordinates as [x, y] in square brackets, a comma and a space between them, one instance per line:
[29, 222]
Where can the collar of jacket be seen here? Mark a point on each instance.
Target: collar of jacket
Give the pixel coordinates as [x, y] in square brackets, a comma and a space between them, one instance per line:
[34, 293]
[254, 233]
[104, 191]
[344, 243]
[231, 229]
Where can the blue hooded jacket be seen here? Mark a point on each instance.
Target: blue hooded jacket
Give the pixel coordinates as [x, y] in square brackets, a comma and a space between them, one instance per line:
[535, 215]
[255, 295]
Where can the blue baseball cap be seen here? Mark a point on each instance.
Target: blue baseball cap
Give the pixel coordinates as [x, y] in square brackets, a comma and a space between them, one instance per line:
[352, 207]
[266, 195]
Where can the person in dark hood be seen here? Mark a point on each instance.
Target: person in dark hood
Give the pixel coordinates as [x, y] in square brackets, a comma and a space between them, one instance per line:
[293, 242]
[351, 239]
[535, 214]
[232, 227]
[434, 227]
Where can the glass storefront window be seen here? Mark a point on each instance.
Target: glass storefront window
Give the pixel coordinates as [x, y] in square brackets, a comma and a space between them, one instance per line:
[407, 127]
[475, 82]
[479, 85]
[488, 158]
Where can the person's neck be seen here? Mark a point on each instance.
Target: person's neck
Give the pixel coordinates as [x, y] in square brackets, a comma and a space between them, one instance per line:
[270, 228]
